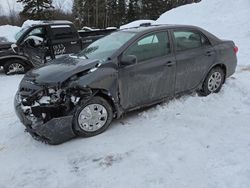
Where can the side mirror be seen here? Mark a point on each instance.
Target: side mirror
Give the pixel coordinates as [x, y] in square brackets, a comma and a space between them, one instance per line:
[14, 48]
[128, 60]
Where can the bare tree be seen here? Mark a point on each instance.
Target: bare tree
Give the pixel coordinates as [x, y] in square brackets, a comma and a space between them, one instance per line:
[12, 12]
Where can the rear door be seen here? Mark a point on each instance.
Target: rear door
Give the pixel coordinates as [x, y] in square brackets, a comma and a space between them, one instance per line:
[64, 40]
[194, 56]
[152, 77]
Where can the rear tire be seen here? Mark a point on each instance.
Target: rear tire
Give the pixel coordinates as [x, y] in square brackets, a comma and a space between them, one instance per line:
[15, 66]
[92, 118]
[213, 82]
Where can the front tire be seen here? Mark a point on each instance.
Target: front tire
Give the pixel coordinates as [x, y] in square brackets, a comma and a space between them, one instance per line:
[92, 118]
[213, 82]
[15, 66]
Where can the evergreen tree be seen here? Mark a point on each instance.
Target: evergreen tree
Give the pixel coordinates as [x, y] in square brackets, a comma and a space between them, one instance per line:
[121, 8]
[36, 9]
[134, 10]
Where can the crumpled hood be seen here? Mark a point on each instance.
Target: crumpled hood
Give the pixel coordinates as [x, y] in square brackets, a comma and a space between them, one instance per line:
[60, 70]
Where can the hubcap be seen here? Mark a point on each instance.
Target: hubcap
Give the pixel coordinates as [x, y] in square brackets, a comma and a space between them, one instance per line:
[92, 117]
[214, 81]
[16, 67]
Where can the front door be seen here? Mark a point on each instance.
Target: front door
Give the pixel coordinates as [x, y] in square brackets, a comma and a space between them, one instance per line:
[152, 77]
[34, 46]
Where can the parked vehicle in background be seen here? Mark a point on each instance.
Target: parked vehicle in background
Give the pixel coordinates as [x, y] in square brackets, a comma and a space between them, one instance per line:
[129, 69]
[42, 42]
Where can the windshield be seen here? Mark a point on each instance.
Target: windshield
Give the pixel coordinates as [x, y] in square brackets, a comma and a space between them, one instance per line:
[105, 47]
[20, 33]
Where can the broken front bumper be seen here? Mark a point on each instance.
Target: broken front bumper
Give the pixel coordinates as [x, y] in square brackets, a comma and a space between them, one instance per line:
[55, 131]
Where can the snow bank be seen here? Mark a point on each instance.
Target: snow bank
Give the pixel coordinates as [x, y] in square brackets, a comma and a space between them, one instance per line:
[136, 23]
[227, 19]
[9, 32]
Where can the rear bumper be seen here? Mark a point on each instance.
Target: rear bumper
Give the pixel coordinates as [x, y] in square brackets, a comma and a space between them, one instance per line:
[55, 131]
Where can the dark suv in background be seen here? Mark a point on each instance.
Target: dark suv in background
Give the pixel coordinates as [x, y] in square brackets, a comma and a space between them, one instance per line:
[43, 41]
[129, 69]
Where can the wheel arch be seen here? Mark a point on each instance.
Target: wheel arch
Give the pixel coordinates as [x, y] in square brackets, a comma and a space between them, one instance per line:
[24, 60]
[110, 99]
[220, 65]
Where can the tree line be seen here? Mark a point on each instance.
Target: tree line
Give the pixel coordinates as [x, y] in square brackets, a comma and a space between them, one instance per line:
[105, 13]
[95, 13]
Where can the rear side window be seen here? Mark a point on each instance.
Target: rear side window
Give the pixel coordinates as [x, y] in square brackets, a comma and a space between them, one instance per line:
[149, 47]
[62, 32]
[185, 40]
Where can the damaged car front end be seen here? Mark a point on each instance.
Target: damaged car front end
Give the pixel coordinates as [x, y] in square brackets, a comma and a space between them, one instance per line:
[45, 106]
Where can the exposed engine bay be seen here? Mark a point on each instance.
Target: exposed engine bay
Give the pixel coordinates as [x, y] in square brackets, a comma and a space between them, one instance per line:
[47, 104]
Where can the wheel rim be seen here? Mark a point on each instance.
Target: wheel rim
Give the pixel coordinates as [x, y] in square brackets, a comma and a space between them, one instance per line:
[16, 68]
[92, 117]
[214, 82]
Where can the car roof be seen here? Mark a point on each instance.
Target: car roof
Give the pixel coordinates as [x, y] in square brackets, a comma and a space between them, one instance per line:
[156, 28]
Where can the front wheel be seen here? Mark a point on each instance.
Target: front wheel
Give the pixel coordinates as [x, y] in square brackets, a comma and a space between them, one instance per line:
[213, 82]
[15, 66]
[93, 117]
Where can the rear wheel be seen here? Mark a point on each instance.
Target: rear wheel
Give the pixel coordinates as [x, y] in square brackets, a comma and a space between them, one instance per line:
[93, 117]
[213, 82]
[15, 66]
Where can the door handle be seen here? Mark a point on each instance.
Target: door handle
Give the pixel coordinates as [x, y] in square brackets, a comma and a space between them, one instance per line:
[170, 63]
[209, 53]
[74, 42]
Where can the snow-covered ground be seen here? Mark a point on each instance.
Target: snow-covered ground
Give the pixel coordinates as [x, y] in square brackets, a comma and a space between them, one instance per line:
[188, 142]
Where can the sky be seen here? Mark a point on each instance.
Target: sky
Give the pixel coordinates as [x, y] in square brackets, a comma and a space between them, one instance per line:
[4, 7]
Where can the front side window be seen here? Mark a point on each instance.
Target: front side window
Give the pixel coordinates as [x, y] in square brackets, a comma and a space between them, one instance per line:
[39, 32]
[148, 40]
[149, 47]
[185, 40]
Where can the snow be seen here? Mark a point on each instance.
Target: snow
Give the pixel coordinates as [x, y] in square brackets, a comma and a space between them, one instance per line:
[9, 32]
[191, 141]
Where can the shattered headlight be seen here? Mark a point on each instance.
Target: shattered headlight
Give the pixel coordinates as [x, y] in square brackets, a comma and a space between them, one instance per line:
[48, 96]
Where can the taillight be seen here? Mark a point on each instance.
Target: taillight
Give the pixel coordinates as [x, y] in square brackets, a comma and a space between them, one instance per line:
[236, 49]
